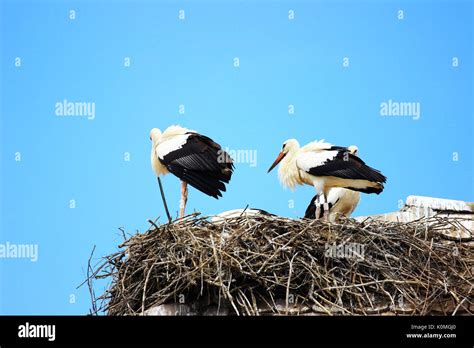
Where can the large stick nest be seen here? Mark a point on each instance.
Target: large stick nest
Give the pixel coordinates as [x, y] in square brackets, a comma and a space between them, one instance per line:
[269, 264]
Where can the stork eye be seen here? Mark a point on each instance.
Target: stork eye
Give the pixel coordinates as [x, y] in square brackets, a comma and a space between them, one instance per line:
[283, 147]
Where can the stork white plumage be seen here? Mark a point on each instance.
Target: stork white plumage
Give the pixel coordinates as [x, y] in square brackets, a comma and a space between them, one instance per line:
[194, 158]
[325, 166]
[236, 213]
[341, 201]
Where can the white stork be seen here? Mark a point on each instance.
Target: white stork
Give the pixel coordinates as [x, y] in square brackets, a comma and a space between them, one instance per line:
[325, 166]
[194, 158]
[236, 213]
[341, 201]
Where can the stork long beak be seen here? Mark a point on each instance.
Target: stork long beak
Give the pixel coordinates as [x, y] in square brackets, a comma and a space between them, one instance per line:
[278, 159]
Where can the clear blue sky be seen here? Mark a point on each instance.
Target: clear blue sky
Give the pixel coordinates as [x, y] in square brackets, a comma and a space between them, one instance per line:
[191, 62]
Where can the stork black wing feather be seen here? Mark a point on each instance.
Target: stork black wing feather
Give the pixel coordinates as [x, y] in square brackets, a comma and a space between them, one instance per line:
[202, 164]
[310, 212]
[348, 166]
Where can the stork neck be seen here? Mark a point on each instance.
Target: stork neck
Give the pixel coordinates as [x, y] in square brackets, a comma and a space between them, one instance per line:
[291, 153]
[288, 171]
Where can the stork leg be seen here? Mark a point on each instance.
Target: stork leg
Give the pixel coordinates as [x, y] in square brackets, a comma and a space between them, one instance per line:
[317, 215]
[325, 208]
[322, 202]
[184, 198]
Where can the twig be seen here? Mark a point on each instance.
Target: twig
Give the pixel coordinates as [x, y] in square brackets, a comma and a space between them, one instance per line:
[164, 200]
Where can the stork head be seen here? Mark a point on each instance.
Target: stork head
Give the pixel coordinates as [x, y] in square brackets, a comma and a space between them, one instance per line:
[288, 146]
[353, 149]
[155, 134]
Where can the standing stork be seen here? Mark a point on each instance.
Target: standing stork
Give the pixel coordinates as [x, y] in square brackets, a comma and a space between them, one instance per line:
[325, 166]
[194, 158]
[341, 201]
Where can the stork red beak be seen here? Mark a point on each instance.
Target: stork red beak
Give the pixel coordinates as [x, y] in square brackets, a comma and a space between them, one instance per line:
[278, 159]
